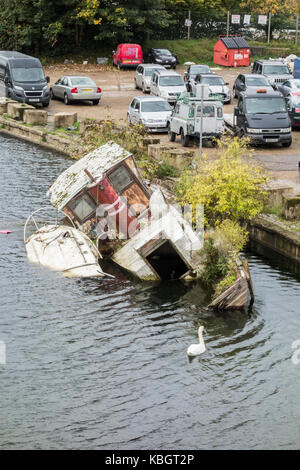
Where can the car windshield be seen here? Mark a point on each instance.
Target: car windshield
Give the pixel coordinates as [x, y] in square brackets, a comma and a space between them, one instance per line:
[162, 51]
[155, 106]
[171, 81]
[149, 72]
[81, 81]
[265, 105]
[195, 69]
[257, 81]
[21, 74]
[214, 81]
[276, 70]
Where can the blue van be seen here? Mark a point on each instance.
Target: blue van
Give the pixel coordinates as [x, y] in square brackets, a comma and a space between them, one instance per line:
[296, 72]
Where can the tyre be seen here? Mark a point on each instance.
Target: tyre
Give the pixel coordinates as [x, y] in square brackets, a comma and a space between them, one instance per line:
[66, 99]
[95, 102]
[287, 144]
[136, 87]
[185, 140]
[234, 93]
[128, 119]
[45, 105]
[143, 88]
[171, 134]
[52, 96]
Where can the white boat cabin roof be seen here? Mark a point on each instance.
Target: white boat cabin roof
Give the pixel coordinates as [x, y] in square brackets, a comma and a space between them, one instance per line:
[74, 178]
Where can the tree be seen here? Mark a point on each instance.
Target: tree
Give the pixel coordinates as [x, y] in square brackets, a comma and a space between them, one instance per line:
[229, 187]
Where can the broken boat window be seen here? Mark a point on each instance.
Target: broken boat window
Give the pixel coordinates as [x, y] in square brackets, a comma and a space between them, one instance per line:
[83, 207]
[120, 178]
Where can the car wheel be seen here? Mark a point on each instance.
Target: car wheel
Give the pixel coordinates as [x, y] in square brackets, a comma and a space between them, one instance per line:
[66, 99]
[174, 68]
[128, 118]
[185, 140]
[95, 102]
[52, 96]
[136, 87]
[143, 88]
[234, 93]
[45, 105]
[171, 134]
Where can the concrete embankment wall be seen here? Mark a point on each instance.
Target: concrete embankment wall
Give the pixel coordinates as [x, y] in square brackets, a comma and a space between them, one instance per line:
[274, 237]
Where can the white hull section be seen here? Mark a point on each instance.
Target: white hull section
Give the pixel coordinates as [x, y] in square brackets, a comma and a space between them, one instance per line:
[64, 249]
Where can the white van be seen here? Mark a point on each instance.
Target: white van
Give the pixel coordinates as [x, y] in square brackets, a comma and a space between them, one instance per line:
[167, 84]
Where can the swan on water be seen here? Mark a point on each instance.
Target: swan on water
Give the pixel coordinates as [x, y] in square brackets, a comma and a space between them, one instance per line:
[199, 348]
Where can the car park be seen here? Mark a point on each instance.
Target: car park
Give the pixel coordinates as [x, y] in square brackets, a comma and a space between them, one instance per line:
[76, 88]
[216, 85]
[274, 70]
[150, 111]
[167, 84]
[192, 71]
[127, 55]
[249, 81]
[161, 56]
[187, 114]
[291, 91]
[143, 75]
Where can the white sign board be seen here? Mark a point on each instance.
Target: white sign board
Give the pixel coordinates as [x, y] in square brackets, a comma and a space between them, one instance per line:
[188, 23]
[247, 19]
[235, 19]
[262, 19]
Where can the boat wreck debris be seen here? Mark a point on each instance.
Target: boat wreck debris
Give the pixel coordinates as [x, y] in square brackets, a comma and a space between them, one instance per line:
[64, 249]
[236, 296]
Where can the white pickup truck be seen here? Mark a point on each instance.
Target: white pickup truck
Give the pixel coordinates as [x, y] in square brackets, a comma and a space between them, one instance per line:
[186, 117]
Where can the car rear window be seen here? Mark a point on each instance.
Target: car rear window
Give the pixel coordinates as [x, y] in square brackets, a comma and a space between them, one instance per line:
[82, 81]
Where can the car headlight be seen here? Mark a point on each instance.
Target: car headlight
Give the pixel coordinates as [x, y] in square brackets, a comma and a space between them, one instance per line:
[251, 130]
[285, 129]
[158, 60]
[19, 88]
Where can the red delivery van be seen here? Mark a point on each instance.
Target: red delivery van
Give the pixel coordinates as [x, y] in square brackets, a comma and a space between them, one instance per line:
[128, 55]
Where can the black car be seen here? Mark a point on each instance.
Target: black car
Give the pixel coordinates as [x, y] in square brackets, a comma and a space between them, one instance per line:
[161, 56]
[191, 73]
[291, 91]
[250, 82]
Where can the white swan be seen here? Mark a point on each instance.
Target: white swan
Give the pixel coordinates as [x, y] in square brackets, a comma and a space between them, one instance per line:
[196, 349]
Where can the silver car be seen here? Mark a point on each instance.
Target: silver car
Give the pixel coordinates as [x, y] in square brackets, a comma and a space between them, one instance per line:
[150, 111]
[75, 88]
[143, 74]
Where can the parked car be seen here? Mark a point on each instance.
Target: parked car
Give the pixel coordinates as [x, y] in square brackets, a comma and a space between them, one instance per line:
[274, 70]
[161, 56]
[127, 55]
[167, 84]
[150, 111]
[249, 81]
[186, 119]
[74, 88]
[192, 72]
[143, 75]
[216, 85]
[291, 91]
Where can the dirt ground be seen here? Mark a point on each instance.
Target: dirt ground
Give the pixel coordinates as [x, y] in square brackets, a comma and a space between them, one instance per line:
[118, 90]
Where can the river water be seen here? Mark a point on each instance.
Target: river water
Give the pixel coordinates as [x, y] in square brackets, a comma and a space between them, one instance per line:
[102, 364]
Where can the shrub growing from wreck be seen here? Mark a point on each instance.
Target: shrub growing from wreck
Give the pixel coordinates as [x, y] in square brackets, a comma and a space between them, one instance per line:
[230, 187]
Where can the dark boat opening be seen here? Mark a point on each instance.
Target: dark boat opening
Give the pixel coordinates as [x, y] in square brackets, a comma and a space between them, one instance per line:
[167, 262]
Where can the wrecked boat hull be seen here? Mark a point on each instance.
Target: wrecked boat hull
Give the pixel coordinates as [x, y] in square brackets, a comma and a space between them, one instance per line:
[64, 249]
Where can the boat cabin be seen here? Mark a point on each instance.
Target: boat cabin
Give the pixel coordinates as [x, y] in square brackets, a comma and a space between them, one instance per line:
[102, 193]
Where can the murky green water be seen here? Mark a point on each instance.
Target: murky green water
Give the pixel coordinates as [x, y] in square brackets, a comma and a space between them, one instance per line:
[102, 364]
